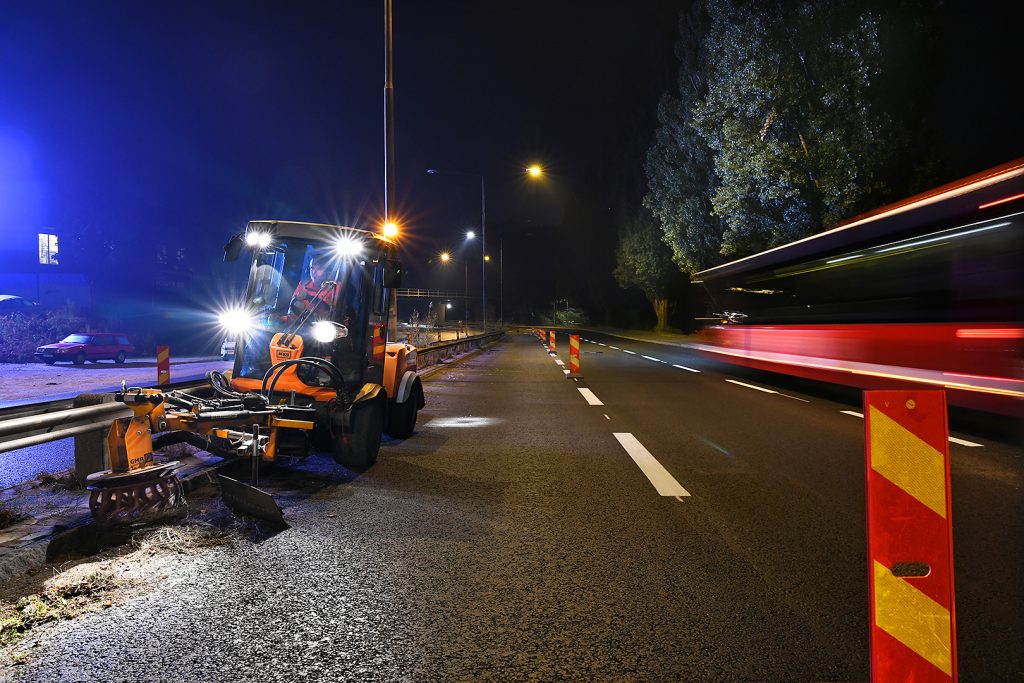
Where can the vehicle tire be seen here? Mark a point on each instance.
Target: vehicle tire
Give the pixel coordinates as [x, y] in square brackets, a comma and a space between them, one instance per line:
[358, 446]
[402, 418]
[120, 358]
[79, 359]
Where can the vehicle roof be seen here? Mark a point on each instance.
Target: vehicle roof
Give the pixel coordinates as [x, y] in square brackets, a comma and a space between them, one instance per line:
[948, 201]
[8, 297]
[311, 230]
[93, 334]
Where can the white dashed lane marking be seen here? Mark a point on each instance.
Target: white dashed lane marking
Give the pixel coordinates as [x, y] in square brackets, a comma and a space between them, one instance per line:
[632, 353]
[664, 483]
[751, 386]
[592, 399]
[683, 367]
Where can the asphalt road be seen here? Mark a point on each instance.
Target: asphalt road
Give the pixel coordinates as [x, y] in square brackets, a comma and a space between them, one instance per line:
[514, 538]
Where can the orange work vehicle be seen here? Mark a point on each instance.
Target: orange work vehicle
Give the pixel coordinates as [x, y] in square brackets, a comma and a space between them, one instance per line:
[313, 331]
[313, 367]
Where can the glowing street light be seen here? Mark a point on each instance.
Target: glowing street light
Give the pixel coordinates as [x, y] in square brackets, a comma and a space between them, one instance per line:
[390, 230]
[470, 234]
[535, 171]
[445, 257]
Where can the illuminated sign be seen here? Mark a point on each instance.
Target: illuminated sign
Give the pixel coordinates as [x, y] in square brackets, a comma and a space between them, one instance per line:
[48, 249]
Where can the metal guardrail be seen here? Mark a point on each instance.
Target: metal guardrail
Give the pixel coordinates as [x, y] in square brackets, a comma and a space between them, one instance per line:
[39, 423]
[435, 353]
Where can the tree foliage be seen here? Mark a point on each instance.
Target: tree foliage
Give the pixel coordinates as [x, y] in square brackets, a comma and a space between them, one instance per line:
[776, 133]
[644, 261]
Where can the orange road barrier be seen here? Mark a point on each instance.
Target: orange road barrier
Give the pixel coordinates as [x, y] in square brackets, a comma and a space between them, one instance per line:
[910, 536]
[574, 354]
[551, 344]
[163, 365]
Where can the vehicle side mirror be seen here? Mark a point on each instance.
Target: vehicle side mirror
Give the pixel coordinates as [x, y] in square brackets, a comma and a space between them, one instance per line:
[392, 273]
[233, 248]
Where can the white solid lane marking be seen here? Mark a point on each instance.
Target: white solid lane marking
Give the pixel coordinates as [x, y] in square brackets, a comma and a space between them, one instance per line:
[632, 353]
[656, 360]
[751, 386]
[683, 367]
[589, 395]
[852, 412]
[962, 442]
[614, 347]
[664, 483]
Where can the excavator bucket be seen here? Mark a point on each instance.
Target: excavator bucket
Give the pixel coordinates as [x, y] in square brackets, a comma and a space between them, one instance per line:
[249, 500]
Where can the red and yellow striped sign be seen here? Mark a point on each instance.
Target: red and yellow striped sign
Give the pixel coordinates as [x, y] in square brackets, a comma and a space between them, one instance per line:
[910, 539]
[378, 342]
[163, 365]
[551, 343]
[574, 354]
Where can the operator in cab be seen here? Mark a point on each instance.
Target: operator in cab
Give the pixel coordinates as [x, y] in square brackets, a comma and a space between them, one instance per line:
[317, 294]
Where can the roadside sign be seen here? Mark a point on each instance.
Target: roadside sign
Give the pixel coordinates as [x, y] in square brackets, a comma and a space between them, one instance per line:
[163, 365]
[910, 539]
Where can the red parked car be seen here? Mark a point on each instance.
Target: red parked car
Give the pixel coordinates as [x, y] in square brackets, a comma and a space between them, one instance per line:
[91, 346]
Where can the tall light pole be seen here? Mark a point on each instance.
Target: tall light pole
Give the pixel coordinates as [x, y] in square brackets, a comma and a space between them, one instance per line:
[483, 234]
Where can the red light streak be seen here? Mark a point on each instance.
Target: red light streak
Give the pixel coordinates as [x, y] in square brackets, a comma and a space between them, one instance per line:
[1001, 201]
[988, 377]
[1009, 333]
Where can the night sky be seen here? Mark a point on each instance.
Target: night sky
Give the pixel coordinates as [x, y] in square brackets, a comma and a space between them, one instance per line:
[175, 123]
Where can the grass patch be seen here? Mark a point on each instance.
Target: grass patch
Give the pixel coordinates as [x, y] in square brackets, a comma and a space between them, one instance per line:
[92, 586]
[62, 600]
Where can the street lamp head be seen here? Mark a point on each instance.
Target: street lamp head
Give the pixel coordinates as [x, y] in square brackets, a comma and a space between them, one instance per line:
[390, 230]
[470, 234]
[445, 257]
[432, 171]
[535, 171]
[487, 258]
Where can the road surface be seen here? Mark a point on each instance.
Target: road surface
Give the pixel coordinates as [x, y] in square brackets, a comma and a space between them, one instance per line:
[515, 537]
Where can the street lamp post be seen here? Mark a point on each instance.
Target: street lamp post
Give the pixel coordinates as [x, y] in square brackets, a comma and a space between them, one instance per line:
[483, 235]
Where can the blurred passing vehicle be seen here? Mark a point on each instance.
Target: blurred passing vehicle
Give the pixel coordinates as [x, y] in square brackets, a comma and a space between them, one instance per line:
[10, 304]
[92, 346]
[925, 293]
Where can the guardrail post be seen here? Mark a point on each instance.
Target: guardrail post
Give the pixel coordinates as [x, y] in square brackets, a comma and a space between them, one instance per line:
[91, 447]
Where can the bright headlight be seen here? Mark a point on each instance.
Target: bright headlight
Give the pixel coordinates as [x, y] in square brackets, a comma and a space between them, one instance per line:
[348, 246]
[236, 321]
[324, 331]
[258, 239]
